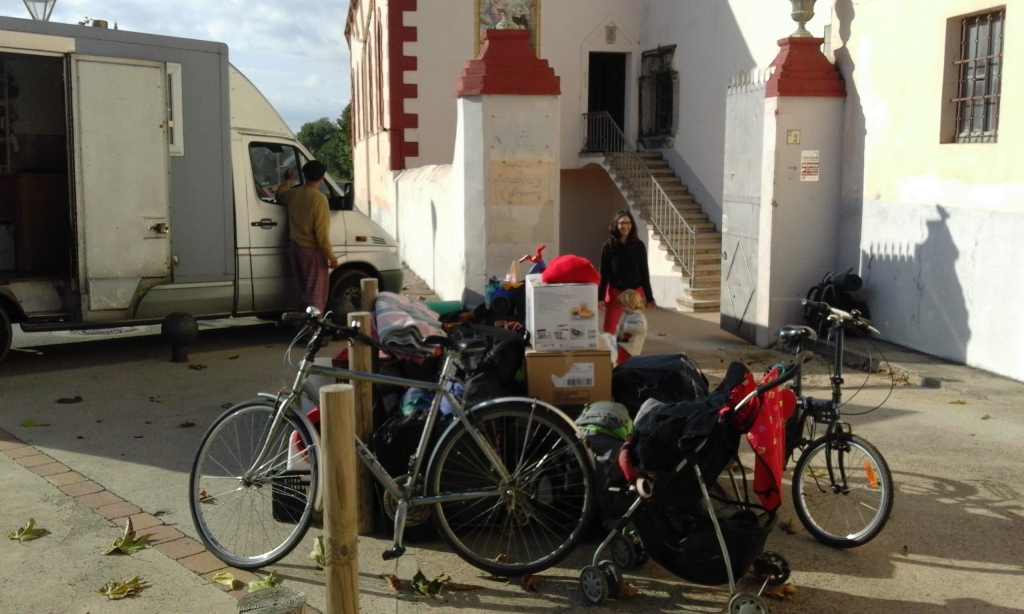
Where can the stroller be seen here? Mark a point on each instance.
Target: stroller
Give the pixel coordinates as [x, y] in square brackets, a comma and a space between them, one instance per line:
[696, 531]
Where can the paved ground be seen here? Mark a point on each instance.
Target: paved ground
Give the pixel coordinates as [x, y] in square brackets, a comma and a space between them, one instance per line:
[954, 543]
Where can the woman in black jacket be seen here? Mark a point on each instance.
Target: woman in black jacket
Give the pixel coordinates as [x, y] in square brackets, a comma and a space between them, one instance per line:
[623, 267]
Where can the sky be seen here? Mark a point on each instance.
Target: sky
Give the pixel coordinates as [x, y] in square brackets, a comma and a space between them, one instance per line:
[294, 51]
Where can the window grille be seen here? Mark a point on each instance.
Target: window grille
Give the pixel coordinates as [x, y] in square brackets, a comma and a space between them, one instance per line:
[980, 70]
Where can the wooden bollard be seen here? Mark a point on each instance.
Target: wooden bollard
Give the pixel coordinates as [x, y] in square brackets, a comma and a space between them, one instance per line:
[368, 293]
[360, 358]
[341, 564]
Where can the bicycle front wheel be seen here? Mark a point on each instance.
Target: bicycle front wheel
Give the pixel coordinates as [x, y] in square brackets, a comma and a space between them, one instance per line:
[529, 521]
[255, 521]
[848, 504]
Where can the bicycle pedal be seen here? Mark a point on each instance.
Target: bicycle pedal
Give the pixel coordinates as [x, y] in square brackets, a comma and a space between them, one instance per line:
[393, 553]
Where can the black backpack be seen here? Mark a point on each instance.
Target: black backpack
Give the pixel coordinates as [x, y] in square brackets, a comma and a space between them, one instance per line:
[835, 290]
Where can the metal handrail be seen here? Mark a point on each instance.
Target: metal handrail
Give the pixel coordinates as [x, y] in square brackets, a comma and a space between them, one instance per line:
[602, 135]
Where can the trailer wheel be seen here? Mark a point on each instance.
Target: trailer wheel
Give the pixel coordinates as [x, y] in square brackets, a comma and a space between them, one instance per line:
[5, 333]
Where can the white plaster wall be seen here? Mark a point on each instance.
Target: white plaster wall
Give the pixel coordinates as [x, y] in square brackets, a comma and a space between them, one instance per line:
[799, 219]
[935, 226]
[714, 41]
[432, 242]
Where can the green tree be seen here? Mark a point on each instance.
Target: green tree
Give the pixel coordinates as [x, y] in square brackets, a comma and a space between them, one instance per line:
[330, 142]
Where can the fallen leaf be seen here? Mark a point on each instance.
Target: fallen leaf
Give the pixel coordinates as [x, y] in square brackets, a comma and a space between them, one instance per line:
[530, 583]
[233, 357]
[393, 581]
[906, 551]
[227, 405]
[228, 579]
[197, 367]
[69, 400]
[318, 555]
[32, 422]
[156, 399]
[429, 588]
[662, 334]
[138, 436]
[465, 587]
[628, 590]
[268, 581]
[986, 417]
[128, 543]
[786, 591]
[120, 590]
[204, 497]
[499, 559]
[186, 425]
[28, 532]
[787, 527]
[958, 402]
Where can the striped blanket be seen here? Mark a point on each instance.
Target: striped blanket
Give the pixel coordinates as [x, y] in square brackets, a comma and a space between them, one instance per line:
[402, 324]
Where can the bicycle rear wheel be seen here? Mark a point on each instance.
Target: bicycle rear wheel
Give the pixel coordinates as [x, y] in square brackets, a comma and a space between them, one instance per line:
[852, 506]
[533, 519]
[256, 522]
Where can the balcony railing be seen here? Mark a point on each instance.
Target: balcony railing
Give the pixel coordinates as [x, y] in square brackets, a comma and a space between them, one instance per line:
[602, 135]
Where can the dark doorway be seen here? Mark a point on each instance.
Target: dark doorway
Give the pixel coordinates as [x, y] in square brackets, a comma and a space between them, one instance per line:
[607, 91]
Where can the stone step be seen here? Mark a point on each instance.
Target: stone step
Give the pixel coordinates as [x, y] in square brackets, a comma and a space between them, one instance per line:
[697, 306]
[703, 293]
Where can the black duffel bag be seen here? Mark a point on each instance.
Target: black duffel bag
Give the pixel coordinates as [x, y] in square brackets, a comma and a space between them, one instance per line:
[669, 378]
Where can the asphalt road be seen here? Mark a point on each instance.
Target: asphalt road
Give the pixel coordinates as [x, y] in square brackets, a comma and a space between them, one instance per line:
[955, 542]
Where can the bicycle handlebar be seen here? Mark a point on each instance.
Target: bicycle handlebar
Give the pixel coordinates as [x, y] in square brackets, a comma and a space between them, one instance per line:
[789, 371]
[854, 318]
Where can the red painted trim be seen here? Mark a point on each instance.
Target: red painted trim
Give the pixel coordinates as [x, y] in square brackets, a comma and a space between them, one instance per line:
[398, 90]
[508, 65]
[801, 69]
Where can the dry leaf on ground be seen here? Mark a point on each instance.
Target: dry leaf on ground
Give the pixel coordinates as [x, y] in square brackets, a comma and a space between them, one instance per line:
[268, 581]
[228, 579]
[69, 400]
[786, 592]
[318, 554]
[530, 583]
[197, 367]
[628, 590]
[393, 581]
[429, 588]
[28, 532]
[986, 417]
[119, 590]
[787, 527]
[32, 422]
[128, 543]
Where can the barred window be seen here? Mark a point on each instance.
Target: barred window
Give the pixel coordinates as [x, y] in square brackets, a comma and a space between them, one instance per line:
[659, 97]
[979, 68]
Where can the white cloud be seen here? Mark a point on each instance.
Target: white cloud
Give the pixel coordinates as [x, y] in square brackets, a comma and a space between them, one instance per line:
[294, 51]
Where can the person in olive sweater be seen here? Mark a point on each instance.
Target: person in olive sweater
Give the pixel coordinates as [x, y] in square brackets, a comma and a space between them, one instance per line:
[623, 267]
[309, 228]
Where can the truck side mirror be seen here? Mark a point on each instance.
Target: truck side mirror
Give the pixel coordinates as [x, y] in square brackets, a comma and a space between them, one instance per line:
[345, 202]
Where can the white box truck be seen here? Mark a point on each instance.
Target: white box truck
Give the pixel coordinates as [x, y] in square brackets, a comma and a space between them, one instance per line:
[137, 178]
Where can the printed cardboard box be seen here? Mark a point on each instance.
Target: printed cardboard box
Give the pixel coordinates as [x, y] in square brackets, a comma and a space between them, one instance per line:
[561, 316]
[575, 377]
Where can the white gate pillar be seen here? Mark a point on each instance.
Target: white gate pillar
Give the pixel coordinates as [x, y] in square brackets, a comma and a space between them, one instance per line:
[801, 168]
[505, 173]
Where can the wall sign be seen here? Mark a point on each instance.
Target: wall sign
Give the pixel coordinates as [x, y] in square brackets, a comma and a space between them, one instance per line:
[809, 165]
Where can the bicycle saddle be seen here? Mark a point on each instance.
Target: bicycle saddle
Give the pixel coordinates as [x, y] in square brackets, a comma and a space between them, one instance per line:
[797, 332]
[459, 346]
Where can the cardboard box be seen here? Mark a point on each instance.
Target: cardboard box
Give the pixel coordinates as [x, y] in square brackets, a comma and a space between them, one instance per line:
[575, 377]
[561, 316]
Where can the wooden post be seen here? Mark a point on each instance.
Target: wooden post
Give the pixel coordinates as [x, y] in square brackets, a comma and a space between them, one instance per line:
[368, 293]
[341, 570]
[360, 358]
[277, 600]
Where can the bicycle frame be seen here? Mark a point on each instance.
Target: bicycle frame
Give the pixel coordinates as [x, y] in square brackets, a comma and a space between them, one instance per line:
[402, 493]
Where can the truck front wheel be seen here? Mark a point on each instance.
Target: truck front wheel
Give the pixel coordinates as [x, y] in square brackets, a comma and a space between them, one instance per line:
[346, 293]
[5, 333]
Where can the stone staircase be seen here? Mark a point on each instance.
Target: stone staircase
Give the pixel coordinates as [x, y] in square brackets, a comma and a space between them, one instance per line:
[701, 291]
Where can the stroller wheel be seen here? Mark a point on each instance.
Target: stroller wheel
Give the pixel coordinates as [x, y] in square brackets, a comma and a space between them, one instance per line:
[641, 551]
[772, 568]
[622, 551]
[614, 577]
[594, 584]
[745, 603]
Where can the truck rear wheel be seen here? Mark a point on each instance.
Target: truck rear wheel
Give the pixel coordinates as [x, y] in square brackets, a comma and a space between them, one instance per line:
[5, 333]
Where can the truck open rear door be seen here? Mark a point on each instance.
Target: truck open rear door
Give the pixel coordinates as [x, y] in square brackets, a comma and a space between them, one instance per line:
[121, 182]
